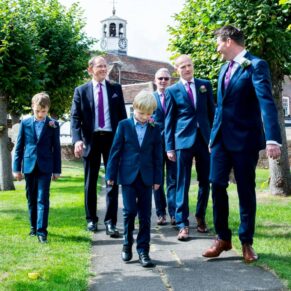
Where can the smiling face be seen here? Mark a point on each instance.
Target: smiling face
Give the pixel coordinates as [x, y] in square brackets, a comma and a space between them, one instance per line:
[162, 80]
[224, 48]
[184, 67]
[98, 69]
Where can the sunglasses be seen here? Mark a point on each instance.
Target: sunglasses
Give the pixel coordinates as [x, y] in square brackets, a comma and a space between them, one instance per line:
[164, 78]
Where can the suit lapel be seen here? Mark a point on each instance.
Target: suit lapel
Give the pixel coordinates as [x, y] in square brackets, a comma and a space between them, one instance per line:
[197, 86]
[145, 139]
[109, 94]
[221, 80]
[134, 131]
[159, 104]
[234, 78]
[44, 129]
[33, 128]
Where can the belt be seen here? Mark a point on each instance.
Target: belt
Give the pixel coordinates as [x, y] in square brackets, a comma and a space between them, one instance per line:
[100, 132]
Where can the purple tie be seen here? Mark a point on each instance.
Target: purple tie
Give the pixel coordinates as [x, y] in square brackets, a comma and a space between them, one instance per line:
[190, 93]
[228, 74]
[163, 102]
[101, 119]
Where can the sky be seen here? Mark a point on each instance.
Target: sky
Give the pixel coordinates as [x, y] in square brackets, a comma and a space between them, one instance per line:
[147, 22]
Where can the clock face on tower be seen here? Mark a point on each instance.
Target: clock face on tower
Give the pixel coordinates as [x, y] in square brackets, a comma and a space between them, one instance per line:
[103, 43]
[122, 43]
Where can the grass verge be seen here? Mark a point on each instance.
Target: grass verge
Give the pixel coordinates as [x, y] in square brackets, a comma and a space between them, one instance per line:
[63, 263]
[272, 239]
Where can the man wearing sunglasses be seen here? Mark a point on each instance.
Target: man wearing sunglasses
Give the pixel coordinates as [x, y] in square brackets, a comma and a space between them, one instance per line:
[190, 111]
[162, 81]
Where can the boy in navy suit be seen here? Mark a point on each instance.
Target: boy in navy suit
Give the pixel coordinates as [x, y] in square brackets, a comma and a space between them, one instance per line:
[135, 162]
[38, 157]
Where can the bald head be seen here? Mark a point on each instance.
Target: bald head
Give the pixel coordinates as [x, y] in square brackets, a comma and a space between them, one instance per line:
[184, 67]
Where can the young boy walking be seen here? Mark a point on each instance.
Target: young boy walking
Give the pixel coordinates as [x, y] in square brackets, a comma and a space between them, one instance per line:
[135, 162]
[38, 157]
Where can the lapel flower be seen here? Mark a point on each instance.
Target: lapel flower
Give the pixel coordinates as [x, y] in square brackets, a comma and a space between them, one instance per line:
[151, 122]
[52, 124]
[245, 63]
[203, 89]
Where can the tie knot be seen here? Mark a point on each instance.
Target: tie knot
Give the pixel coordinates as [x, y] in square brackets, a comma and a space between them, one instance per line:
[231, 63]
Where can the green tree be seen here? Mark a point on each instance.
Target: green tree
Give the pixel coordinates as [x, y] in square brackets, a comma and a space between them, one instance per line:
[266, 24]
[43, 48]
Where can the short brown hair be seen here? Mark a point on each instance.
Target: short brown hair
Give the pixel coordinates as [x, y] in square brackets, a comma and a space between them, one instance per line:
[41, 99]
[231, 32]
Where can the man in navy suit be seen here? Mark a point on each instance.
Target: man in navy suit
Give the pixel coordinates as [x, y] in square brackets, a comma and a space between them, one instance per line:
[189, 117]
[162, 81]
[135, 162]
[244, 100]
[97, 108]
[38, 156]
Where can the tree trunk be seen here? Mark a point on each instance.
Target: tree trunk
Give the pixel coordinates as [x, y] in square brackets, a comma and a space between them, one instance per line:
[6, 178]
[280, 182]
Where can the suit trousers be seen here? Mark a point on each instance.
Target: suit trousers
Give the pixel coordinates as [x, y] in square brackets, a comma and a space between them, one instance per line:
[244, 166]
[137, 199]
[159, 195]
[37, 194]
[101, 144]
[184, 166]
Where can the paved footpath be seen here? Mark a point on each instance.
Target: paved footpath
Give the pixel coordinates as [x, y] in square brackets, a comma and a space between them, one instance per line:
[179, 265]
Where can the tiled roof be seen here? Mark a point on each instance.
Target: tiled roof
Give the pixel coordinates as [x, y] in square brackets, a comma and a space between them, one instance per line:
[131, 90]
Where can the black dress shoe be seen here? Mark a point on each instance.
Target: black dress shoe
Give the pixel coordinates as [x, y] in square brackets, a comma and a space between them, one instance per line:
[126, 254]
[92, 226]
[111, 230]
[32, 232]
[145, 260]
[42, 239]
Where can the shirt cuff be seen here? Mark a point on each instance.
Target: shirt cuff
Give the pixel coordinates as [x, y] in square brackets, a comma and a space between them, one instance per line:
[273, 142]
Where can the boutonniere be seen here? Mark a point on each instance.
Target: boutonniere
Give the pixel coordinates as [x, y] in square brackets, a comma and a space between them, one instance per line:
[203, 89]
[52, 124]
[245, 63]
[151, 122]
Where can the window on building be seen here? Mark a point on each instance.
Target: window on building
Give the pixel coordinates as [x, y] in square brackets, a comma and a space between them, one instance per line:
[112, 29]
[105, 30]
[286, 106]
[121, 32]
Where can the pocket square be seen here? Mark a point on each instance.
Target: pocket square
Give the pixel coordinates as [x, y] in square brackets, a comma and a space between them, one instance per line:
[114, 95]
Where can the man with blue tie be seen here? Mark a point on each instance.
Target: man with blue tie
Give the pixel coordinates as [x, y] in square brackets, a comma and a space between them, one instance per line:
[97, 108]
[162, 81]
[190, 111]
[244, 100]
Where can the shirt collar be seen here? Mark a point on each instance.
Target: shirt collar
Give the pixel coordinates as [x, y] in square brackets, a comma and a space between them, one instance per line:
[160, 92]
[139, 123]
[184, 82]
[40, 121]
[95, 83]
[240, 57]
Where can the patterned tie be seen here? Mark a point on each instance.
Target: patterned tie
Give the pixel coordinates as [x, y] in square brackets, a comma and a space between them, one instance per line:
[228, 74]
[190, 93]
[101, 119]
[163, 102]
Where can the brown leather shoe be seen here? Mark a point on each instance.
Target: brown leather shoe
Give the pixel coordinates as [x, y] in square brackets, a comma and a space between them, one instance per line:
[217, 248]
[201, 225]
[183, 234]
[162, 220]
[249, 253]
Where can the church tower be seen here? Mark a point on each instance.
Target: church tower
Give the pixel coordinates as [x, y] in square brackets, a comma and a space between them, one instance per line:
[113, 34]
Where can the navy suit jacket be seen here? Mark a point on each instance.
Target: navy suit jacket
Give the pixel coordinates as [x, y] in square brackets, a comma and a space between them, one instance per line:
[83, 112]
[127, 158]
[45, 151]
[159, 114]
[182, 117]
[242, 107]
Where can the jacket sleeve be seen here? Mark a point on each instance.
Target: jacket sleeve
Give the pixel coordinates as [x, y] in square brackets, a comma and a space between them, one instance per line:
[170, 122]
[19, 149]
[158, 157]
[76, 117]
[57, 169]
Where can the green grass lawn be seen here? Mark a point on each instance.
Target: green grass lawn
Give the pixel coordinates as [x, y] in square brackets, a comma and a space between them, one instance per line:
[272, 239]
[63, 263]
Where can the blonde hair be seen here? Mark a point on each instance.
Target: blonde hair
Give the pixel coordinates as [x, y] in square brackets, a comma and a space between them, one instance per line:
[41, 99]
[145, 102]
